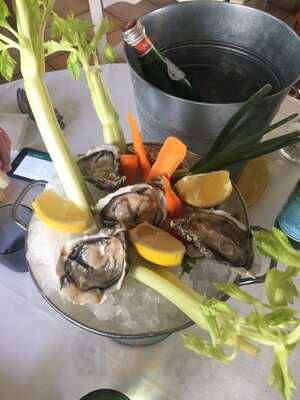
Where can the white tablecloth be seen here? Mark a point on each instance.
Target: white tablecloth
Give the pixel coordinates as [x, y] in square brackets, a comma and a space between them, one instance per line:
[43, 357]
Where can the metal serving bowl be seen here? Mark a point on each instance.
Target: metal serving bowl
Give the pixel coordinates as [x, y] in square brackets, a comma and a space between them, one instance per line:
[234, 204]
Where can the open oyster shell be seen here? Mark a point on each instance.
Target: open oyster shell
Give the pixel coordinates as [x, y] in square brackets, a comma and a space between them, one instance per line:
[132, 205]
[100, 166]
[92, 266]
[215, 234]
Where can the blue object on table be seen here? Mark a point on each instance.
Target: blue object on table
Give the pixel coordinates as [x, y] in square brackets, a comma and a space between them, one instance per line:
[105, 394]
[289, 218]
[12, 238]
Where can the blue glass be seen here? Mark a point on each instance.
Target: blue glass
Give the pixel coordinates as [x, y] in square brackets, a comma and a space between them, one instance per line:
[12, 238]
[105, 394]
[289, 218]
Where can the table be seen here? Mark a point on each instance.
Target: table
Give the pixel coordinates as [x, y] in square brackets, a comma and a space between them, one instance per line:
[42, 356]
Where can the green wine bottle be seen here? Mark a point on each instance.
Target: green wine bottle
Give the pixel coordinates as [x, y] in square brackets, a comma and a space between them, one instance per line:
[157, 69]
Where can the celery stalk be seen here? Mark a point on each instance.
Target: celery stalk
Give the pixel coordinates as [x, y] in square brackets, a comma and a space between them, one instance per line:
[73, 35]
[107, 114]
[185, 298]
[32, 68]
[272, 323]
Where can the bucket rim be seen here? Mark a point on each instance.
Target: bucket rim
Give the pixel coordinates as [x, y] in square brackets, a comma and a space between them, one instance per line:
[218, 4]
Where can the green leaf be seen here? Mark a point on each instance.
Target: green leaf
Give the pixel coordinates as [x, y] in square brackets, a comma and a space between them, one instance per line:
[221, 308]
[57, 26]
[226, 135]
[280, 376]
[257, 320]
[7, 65]
[77, 25]
[73, 65]
[53, 47]
[3, 46]
[200, 346]
[281, 316]
[293, 337]
[102, 29]
[280, 289]
[4, 13]
[234, 291]
[275, 244]
[109, 54]
[255, 137]
[248, 152]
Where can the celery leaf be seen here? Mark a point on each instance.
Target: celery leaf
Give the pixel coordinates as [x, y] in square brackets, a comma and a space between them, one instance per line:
[234, 291]
[280, 288]
[281, 316]
[7, 65]
[73, 65]
[275, 244]
[3, 46]
[200, 346]
[78, 25]
[280, 376]
[257, 320]
[109, 54]
[4, 13]
[53, 47]
[102, 29]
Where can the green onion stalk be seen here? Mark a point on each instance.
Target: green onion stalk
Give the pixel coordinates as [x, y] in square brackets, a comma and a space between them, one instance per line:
[29, 40]
[73, 35]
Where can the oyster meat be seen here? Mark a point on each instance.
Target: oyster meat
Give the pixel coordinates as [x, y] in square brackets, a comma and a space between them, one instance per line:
[91, 266]
[132, 205]
[100, 166]
[217, 235]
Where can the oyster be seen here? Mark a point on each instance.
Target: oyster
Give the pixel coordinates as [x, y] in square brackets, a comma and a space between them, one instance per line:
[90, 267]
[217, 235]
[132, 205]
[100, 166]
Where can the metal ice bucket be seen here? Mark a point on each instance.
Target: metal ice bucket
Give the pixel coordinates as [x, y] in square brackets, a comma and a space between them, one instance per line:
[203, 33]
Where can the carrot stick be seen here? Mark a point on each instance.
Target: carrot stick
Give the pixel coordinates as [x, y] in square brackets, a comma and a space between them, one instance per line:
[169, 158]
[129, 164]
[174, 204]
[139, 146]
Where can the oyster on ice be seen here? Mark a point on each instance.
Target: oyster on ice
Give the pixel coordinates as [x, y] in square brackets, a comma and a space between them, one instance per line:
[217, 235]
[90, 267]
[100, 166]
[132, 205]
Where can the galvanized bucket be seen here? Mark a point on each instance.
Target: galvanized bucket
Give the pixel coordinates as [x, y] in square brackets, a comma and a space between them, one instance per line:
[214, 34]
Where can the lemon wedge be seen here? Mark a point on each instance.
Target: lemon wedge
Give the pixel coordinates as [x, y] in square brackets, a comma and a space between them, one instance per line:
[253, 180]
[4, 180]
[157, 245]
[60, 214]
[204, 190]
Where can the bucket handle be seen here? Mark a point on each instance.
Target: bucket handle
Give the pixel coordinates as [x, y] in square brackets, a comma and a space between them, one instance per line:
[261, 278]
[18, 201]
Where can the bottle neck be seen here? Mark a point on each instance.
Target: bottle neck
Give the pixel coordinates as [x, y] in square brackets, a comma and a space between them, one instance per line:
[143, 47]
[135, 36]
